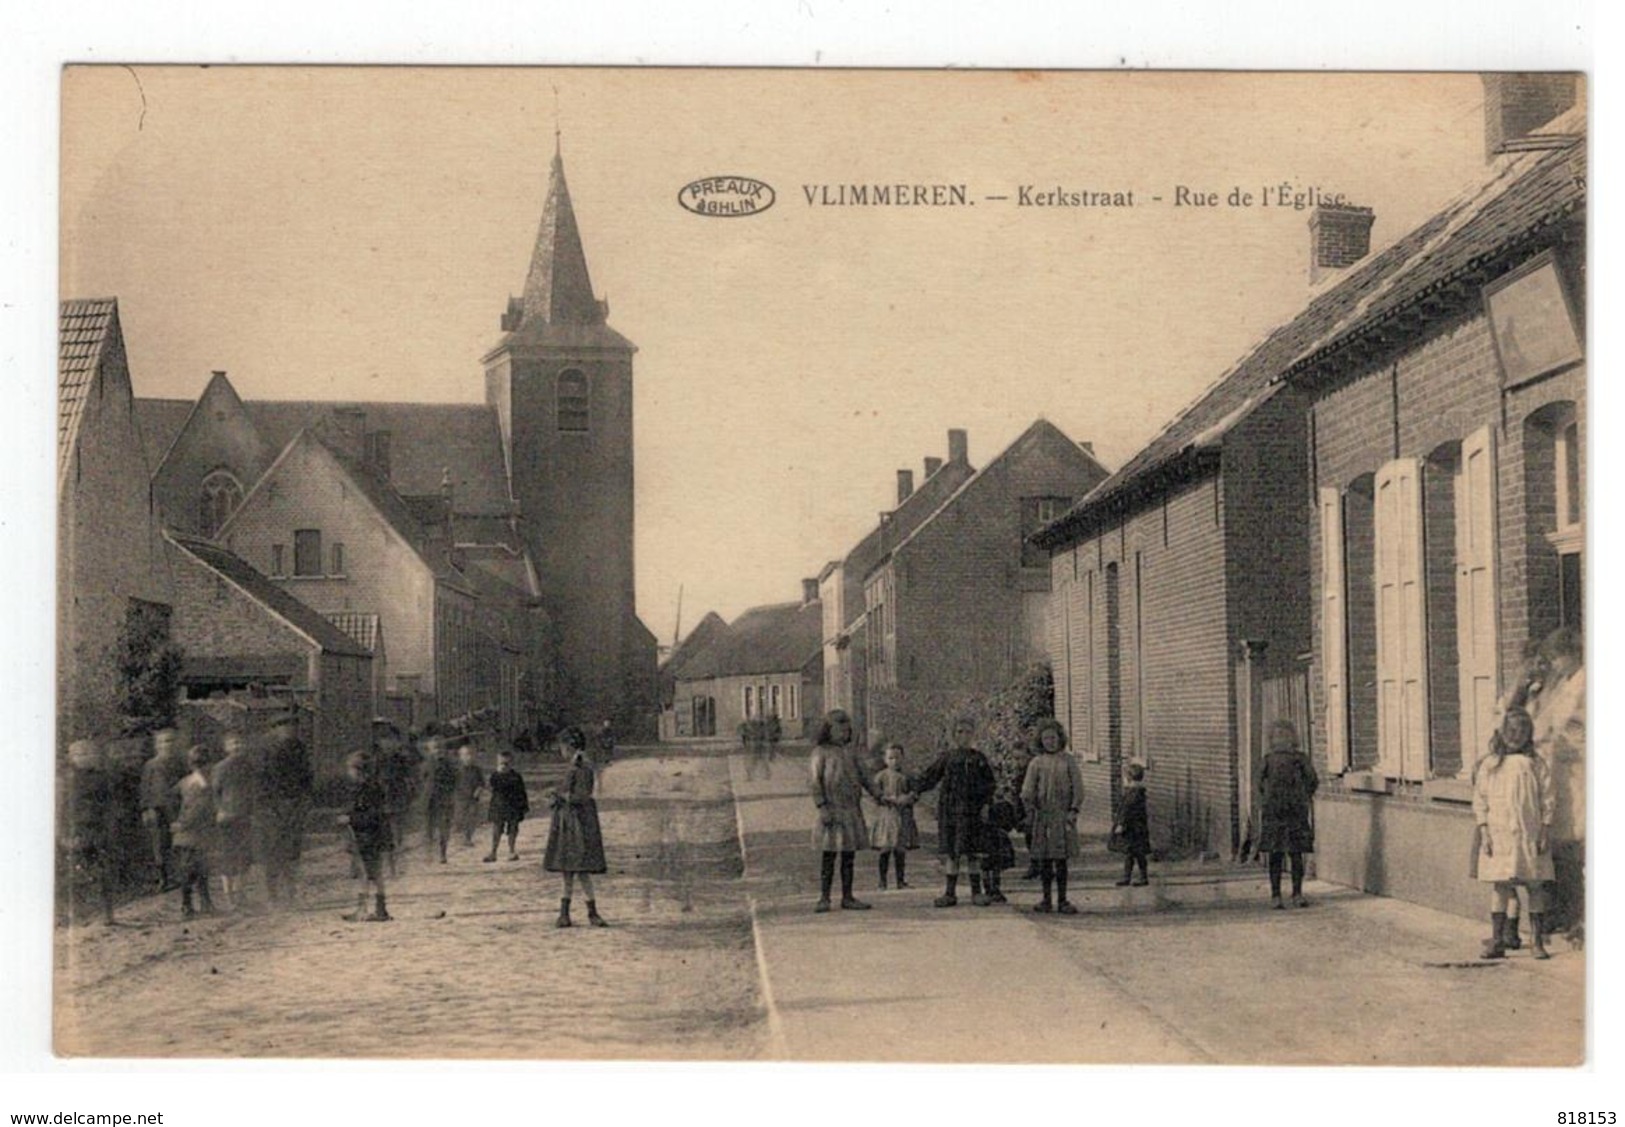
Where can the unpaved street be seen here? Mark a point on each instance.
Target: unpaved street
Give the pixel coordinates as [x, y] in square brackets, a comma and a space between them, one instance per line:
[472, 965]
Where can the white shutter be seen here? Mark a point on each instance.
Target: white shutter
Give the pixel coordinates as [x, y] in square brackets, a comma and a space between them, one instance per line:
[1060, 649]
[1334, 658]
[1081, 654]
[1402, 704]
[1475, 594]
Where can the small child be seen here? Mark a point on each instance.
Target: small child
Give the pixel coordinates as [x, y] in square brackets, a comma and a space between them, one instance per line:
[369, 822]
[575, 843]
[192, 832]
[509, 805]
[998, 853]
[89, 821]
[893, 830]
[470, 789]
[1134, 826]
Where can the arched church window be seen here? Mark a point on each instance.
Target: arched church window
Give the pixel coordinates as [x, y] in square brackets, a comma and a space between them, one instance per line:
[574, 404]
[222, 493]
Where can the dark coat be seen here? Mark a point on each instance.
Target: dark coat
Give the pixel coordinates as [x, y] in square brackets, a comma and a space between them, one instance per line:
[442, 783]
[369, 816]
[1135, 820]
[967, 784]
[575, 843]
[158, 779]
[288, 777]
[1286, 790]
[470, 781]
[509, 802]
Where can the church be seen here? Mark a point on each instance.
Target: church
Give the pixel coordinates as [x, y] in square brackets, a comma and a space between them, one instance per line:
[490, 544]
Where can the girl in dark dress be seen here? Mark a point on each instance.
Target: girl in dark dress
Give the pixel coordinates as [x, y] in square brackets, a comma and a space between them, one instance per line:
[575, 843]
[1287, 789]
[967, 784]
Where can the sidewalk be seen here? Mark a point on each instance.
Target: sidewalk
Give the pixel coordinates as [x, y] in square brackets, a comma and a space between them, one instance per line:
[1194, 968]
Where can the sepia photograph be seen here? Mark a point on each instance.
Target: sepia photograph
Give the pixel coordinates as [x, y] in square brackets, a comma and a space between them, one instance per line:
[787, 565]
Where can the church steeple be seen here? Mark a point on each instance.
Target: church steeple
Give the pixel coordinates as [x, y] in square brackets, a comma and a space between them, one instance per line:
[558, 289]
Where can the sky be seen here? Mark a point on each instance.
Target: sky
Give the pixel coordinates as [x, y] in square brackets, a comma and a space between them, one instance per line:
[355, 233]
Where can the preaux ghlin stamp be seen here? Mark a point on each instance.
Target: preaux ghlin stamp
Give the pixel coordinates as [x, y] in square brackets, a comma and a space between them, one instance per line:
[726, 197]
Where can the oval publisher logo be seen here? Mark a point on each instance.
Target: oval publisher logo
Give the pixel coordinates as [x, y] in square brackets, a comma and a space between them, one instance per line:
[726, 197]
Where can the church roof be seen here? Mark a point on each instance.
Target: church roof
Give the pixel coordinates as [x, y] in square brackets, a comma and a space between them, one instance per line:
[557, 288]
[84, 326]
[425, 441]
[242, 575]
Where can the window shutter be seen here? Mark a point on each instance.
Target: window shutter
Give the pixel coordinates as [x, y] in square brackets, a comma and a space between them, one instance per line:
[1334, 630]
[1402, 685]
[1475, 595]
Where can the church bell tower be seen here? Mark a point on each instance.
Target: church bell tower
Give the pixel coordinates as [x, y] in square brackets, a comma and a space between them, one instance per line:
[561, 382]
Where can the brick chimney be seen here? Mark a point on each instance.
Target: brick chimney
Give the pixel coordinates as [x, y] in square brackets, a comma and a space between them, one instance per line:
[1517, 104]
[1338, 238]
[905, 485]
[809, 591]
[958, 446]
[932, 465]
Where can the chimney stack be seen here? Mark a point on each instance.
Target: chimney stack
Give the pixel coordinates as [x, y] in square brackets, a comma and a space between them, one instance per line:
[932, 465]
[1517, 104]
[1338, 238]
[349, 432]
[809, 591]
[905, 485]
[958, 446]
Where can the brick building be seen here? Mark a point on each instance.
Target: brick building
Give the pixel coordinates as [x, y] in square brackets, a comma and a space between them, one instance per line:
[110, 559]
[1200, 600]
[692, 716]
[1447, 420]
[767, 662]
[959, 603]
[520, 506]
[840, 583]
[242, 633]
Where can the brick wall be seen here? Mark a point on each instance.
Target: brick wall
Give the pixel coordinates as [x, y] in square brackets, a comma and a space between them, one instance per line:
[218, 435]
[1173, 673]
[959, 581]
[383, 574]
[108, 551]
[213, 618]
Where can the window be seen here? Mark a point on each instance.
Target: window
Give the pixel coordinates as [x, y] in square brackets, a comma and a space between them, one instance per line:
[222, 493]
[338, 558]
[1036, 512]
[794, 712]
[574, 402]
[307, 552]
[276, 560]
[750, 698]
[773, 709]
[1554, 490]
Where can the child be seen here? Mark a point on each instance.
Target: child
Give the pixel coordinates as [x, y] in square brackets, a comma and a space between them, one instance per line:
[575, 843]
[998, 853]
[88, 821]
[369, 822]
[1286, 813]
[235, 782]
[470, 789]
[838, 785]
[1052, 791]
[159, 777]
[967, 784]
[509, 805]
[893, 831]
[1514, 804]
[442, 789]
[1134, 826]
[193, 830]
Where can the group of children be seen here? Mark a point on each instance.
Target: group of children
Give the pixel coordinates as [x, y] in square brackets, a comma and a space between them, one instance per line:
[455, 790]
[974, 821]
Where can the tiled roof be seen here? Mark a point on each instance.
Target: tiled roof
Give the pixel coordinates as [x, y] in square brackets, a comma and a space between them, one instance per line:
[1041, 429]
[83, 328]
[256, 586]
[1519, 194]
[160, 422]
[425, 440]
[359, 625]
[905, 518]
[781, 638]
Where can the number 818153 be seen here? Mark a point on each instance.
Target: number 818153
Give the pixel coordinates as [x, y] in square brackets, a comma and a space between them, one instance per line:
[1586, 1119]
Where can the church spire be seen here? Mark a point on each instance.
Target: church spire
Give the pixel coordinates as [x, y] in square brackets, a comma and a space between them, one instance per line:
[557, 289]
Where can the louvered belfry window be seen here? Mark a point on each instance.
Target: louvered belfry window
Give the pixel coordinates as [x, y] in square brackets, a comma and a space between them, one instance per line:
[574, 402]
